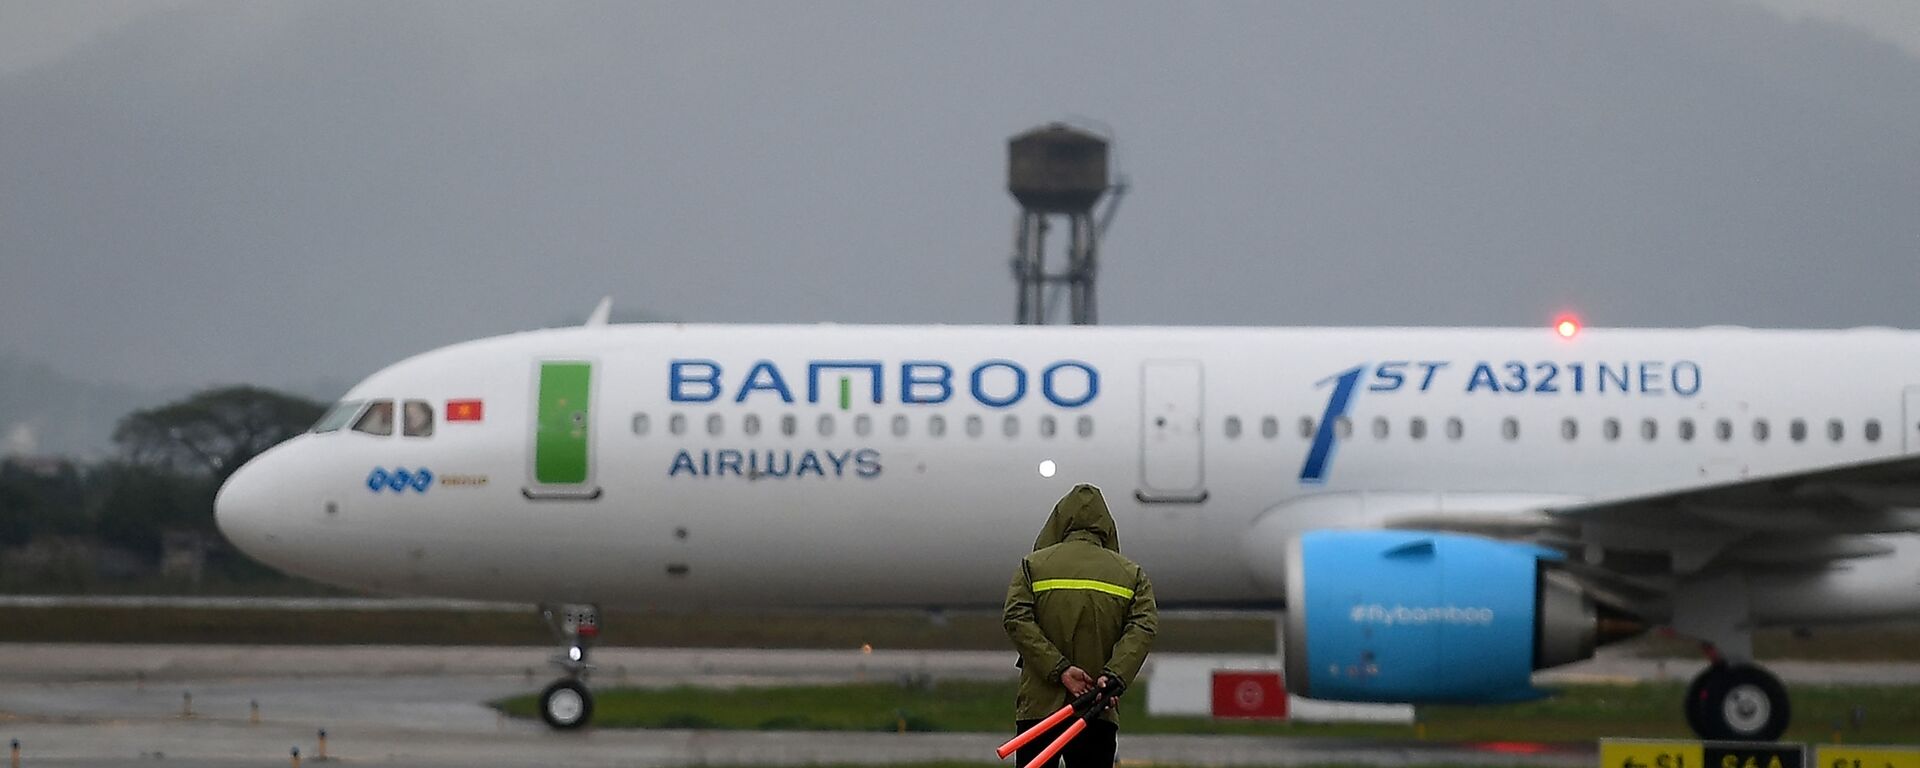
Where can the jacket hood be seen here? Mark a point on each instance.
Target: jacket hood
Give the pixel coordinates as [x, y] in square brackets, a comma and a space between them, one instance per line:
[1082, 511]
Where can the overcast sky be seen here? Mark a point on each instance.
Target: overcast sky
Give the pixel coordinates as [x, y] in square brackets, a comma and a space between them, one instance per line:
[196, 192]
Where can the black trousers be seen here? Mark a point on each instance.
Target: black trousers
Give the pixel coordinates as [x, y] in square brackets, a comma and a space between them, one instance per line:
[1093, 748]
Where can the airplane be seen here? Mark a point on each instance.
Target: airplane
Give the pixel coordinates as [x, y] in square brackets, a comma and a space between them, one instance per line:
[1440, 511]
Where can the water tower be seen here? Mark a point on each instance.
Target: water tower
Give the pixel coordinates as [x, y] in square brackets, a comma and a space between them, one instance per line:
[1058, 170]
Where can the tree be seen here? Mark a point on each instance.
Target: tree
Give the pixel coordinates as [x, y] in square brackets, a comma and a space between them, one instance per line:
[214, 431]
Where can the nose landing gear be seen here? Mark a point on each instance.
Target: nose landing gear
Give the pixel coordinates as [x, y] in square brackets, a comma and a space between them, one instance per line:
[567, 704]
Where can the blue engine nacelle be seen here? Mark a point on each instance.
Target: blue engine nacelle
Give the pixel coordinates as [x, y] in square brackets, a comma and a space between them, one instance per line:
[1412, 616]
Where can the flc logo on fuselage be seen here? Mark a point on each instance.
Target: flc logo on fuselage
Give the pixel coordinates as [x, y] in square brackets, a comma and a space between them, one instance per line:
[996, 383]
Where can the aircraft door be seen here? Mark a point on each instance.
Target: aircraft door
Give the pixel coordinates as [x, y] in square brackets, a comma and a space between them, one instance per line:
[560, 465]
[1910, 413]
[1172, 467]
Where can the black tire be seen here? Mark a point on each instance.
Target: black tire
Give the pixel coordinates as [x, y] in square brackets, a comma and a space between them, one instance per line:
[1695, 704]
[566, 705]
[1743, 702]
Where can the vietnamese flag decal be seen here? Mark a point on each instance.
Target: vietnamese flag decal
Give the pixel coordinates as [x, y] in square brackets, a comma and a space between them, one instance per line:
[465, 410]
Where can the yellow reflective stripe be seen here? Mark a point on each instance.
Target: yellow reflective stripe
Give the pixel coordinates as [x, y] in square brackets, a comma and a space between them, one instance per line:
[1097, 586]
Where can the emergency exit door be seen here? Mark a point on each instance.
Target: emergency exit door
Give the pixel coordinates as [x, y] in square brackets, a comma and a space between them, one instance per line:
[1172, 465]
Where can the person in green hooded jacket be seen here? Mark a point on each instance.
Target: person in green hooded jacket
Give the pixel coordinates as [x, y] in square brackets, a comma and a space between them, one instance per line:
[1081, 616]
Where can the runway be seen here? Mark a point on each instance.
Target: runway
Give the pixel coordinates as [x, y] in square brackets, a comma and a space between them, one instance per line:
[421, 706]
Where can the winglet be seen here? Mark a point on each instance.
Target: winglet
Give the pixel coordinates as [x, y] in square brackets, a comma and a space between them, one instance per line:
[601, 313]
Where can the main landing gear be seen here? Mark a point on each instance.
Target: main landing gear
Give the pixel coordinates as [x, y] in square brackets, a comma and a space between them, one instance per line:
[1737, 702]
[567, 704]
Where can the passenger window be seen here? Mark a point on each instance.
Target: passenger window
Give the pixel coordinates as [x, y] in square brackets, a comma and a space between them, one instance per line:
[1836, 430]
[937, 425]
[1344, 427]
[378, 420]
[899, 426]
[1569, 429]
[1610, 429]
[1417, 428]
[1649, 429]
[641, 423]
[1306, 428]
[1232, 427]
[714, 424]
[825, 426]
[1510, 428]
[1723, 429]
[1872, 430]
[1010, 426]
[1455, 429]
[1048, 427]
[1269, 427]
[1760, 430]
[1686, 430]
[1086, 426]
[975, 426]
[1380, 428]
[750, 424]
[337, 417]
[863, 425]
[416, 419]
[677, 424]
[1797, 430]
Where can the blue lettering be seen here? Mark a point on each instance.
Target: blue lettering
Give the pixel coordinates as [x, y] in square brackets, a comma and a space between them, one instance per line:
[1619, 378]
[764, 376]
[1651, 374]
[678, 379]
[867, 463]
[1519, 373]
[1431, 367]
[728, 460]
[780, 470]
[872, 367]
[911, 378]
[683, 461]
[1482, 377]
[1690, 385]
[1550, 370]
[979, 383]
[809, 460]
[839, 461]
[1048, 388]
[1579, 376]
[1388, 377]
[1314, 471]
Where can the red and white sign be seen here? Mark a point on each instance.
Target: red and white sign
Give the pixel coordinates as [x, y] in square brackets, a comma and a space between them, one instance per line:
[1249, 694]
[465, 410]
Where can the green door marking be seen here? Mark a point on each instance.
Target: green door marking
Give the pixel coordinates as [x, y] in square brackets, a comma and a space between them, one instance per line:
[560, 437]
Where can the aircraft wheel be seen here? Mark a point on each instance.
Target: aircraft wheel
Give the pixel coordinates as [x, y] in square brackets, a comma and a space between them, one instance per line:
[566, 704]
[1738, 702]
[1695, 704]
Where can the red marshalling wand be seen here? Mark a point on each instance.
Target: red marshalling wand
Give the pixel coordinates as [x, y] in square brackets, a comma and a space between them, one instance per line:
[1089, 704]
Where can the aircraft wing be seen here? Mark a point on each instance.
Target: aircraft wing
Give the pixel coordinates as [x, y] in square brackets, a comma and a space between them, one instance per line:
[1636, 547]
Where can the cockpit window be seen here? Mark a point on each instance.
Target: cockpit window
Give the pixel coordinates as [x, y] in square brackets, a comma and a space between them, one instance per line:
[338, 416]
[378, 420]
[417, 419]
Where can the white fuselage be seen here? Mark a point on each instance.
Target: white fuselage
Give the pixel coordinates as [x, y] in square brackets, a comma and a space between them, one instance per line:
[1211, 444]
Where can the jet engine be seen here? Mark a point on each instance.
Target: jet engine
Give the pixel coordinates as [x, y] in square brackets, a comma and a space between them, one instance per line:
[1413, 616]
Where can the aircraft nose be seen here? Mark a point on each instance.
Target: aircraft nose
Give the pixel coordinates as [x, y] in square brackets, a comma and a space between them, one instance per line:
[242, 508]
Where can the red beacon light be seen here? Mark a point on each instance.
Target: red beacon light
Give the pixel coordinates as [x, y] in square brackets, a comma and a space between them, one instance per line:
[1567, 327]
